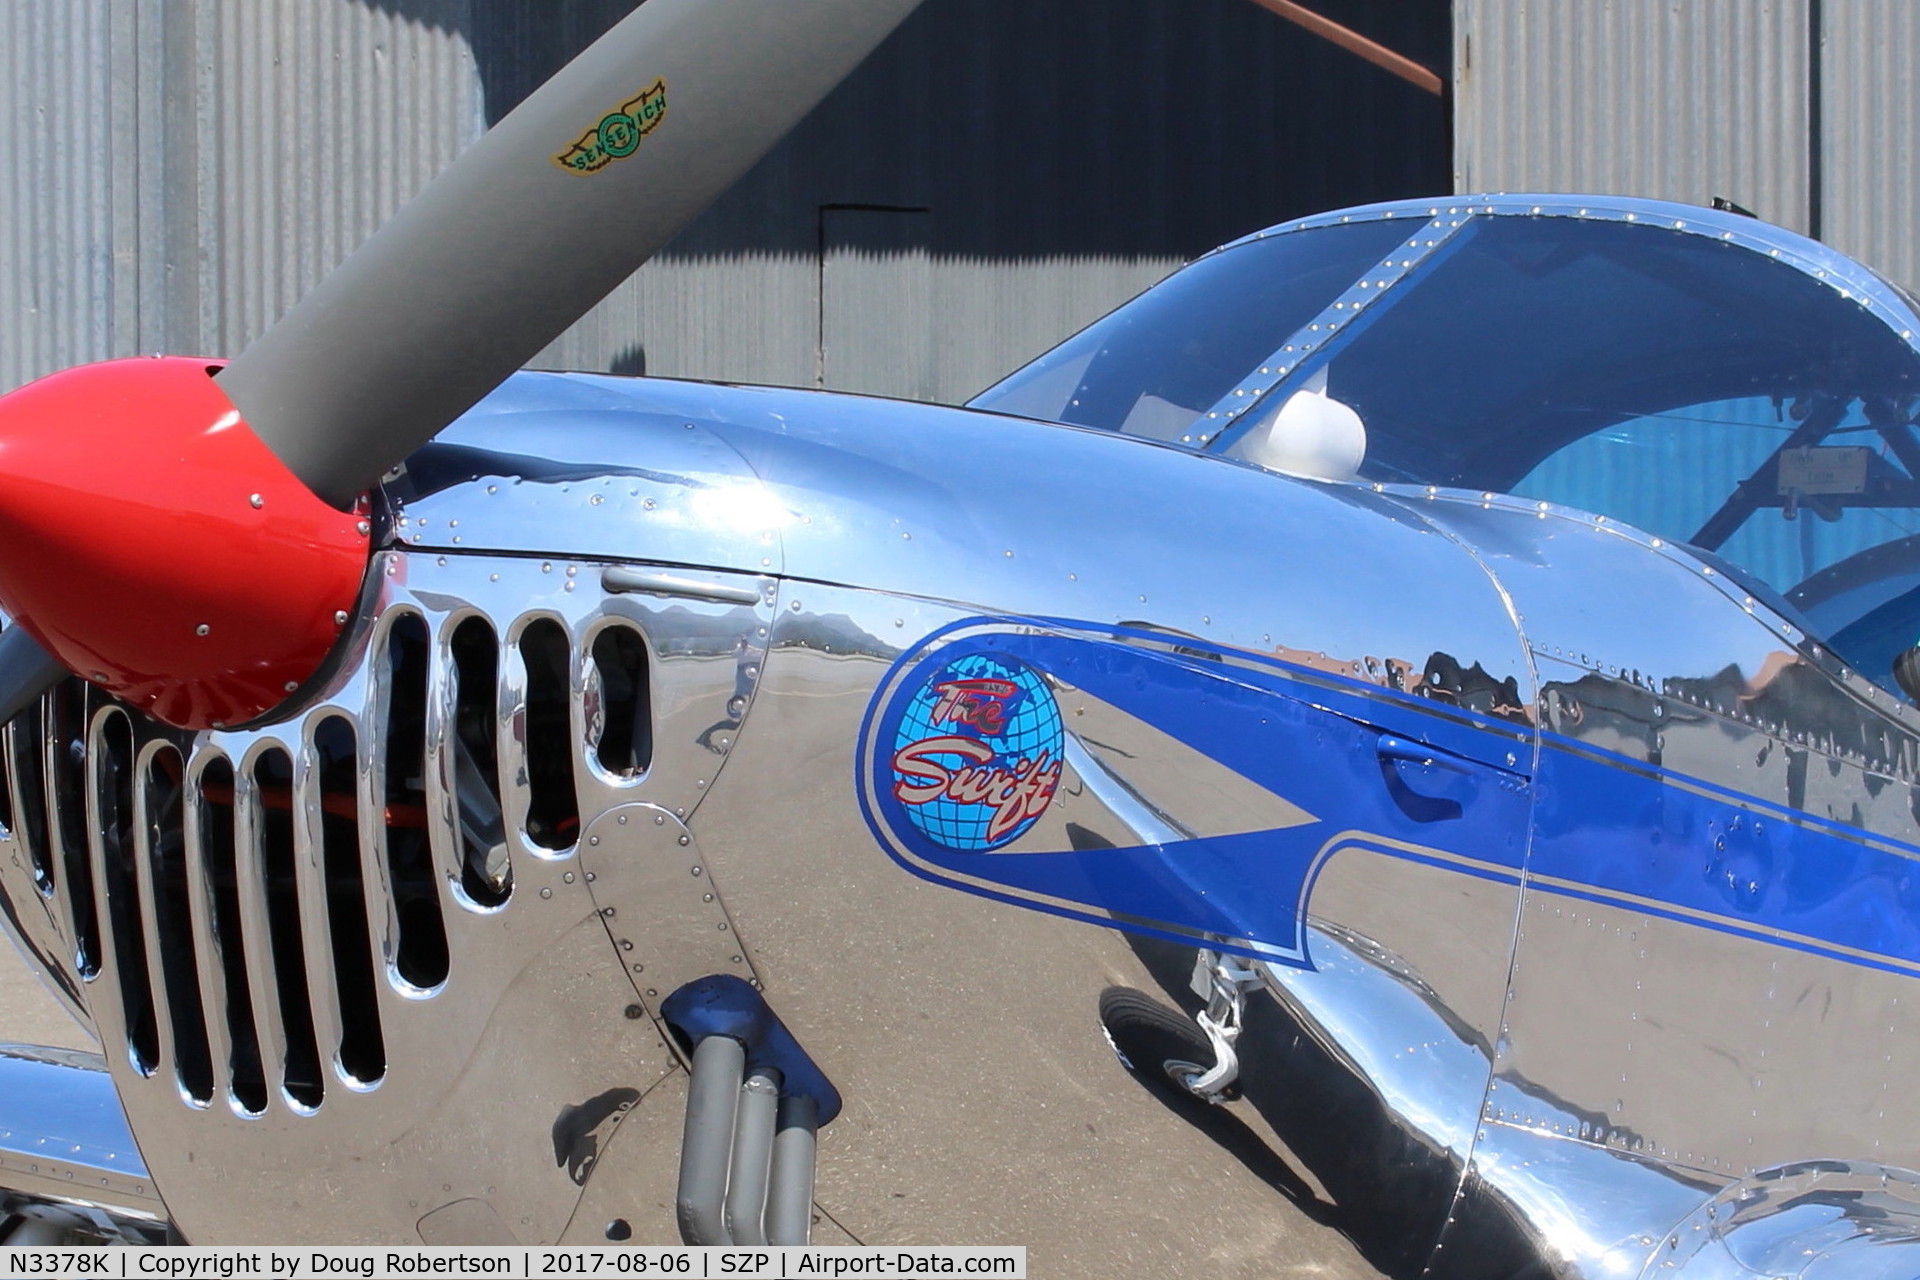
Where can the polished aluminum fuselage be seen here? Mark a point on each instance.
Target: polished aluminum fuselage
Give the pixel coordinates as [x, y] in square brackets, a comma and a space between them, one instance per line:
[1578, 882]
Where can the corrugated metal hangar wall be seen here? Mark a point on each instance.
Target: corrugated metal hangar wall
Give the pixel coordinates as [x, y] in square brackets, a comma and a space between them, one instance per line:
[1804, 111]
[174, 173]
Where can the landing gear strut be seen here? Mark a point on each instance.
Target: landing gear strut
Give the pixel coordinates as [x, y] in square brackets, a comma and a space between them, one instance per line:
[1196, 1055]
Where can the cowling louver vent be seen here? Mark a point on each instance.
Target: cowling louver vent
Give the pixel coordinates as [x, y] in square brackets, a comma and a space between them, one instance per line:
[345, 935]
[241, 899]
[226, 910]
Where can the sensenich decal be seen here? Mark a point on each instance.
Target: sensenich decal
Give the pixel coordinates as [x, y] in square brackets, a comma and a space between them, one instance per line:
[619, 132]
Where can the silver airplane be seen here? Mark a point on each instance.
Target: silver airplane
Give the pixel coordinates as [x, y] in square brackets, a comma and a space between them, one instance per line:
[1402, 728]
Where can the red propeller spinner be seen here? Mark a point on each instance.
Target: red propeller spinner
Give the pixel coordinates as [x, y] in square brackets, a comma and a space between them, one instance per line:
[196, 545]
[157, 548]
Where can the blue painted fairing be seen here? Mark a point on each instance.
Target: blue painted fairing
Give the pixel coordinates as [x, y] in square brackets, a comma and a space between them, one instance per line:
[1609, 830]
[1606, 828]
[1310, 740]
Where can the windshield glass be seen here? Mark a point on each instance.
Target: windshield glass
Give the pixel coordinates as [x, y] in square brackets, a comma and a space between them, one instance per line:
[1695, 389]
[1159, 362]
[1675, 381]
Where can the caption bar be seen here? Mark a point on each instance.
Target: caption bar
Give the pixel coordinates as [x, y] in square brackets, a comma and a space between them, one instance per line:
[228, 1262]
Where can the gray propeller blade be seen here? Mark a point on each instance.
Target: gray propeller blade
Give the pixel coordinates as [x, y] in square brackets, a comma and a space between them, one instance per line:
[537, 222]
[26, 672]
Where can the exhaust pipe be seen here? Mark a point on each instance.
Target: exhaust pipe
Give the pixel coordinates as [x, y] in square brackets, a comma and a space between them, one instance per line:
[754, 1107]
[790, 1189]
[706, 1145]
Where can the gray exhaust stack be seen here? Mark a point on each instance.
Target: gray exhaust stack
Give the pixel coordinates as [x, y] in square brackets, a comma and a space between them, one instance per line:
[706, 1145]
[754, 1106]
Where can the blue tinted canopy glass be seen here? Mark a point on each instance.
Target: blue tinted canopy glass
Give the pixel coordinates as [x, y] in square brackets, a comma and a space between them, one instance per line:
[1703, 377]
[1155, 365]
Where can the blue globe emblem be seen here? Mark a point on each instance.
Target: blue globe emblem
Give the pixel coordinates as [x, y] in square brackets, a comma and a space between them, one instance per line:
[976, 752]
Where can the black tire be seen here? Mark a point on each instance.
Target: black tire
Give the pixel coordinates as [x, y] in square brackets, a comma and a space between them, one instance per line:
[1160, 1046]
[1906, 673]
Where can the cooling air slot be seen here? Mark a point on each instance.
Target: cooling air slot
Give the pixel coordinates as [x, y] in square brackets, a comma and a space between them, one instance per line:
[273, 789]
[420, 955]
[623, 743]
[218, 846]
[23, 735]
[164, 855]
[6, 791]
[251, 912]
[363, 1050]
[486, 874]
[113, 823]
[63, 760]
[553, 813]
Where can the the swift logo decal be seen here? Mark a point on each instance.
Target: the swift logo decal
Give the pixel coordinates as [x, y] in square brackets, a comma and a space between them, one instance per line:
[976, 752]
[619, 132]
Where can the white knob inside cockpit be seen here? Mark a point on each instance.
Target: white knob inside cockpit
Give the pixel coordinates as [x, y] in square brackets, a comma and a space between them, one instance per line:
[1310, 435]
